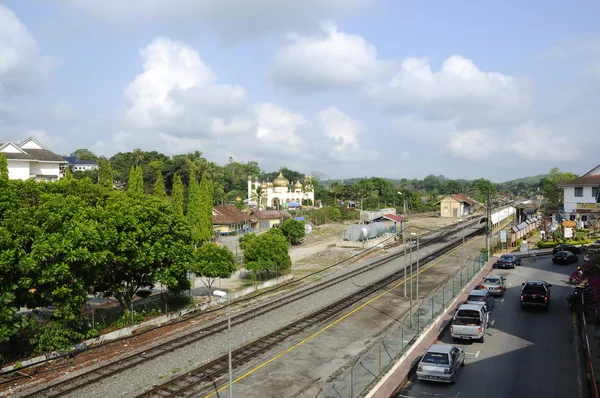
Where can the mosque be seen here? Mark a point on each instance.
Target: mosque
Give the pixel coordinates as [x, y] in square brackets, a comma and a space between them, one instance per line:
[281, 194]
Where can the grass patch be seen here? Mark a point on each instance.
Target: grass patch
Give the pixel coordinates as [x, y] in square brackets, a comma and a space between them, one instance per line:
[176, 370]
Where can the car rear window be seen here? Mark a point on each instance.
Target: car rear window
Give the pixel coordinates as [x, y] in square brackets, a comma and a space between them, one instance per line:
[467, 317]
[534, 289]
[506, 258]
[436, 358]
[493, 281]
[475, 298]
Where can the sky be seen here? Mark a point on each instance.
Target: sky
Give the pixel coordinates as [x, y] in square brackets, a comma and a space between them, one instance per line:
[346, 88]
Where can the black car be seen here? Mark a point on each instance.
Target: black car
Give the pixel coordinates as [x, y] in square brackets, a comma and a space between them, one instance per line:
[566, 248]
[535, 294]
[508, 261]
[564, 258]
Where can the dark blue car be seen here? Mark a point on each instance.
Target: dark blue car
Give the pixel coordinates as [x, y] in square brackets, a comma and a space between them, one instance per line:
[508, 261]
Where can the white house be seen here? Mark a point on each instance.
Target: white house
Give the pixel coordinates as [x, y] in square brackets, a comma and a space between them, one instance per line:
[30, 159]
[80, 165]
[581, 196]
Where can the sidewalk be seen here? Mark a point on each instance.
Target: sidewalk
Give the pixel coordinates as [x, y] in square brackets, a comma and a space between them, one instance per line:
[593, 334]
[399, 375]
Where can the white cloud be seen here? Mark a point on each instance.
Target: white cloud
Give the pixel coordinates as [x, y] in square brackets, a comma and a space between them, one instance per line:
[328, 59]
[178, 94]
[21, 66]
[537, 143]
[344, 132]
[471, 145]
[458, 91]
[277, 128]
[231, 19]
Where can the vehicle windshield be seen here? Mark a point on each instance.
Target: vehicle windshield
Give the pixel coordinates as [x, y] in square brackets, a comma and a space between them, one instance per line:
[506, 258]
[476, 298]
[562, 254]
[491, 281]
[534, 289]
[436, 358]
[467, 317]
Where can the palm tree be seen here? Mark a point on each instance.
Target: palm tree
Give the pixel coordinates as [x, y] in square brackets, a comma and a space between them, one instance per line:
[259, 196]
[336, 189]
[138, 156]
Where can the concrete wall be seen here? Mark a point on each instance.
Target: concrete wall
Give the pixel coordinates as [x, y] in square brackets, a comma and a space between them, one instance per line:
[45, 169]
[18, 170]
[571, 201]
[447, 207]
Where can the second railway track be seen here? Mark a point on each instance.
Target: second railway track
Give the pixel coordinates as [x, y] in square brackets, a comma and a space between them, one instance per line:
[253, 349]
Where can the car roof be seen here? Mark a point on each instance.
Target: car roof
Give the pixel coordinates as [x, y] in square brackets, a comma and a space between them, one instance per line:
[478, 293]
[507, 255]
[472, 307]
[536, 283]
[563, 252]
[493, 277]
[440, 348]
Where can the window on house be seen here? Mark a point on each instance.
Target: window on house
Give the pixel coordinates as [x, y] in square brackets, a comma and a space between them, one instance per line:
[578, 192]
[584, 218]
[594, 192]
[572, 217]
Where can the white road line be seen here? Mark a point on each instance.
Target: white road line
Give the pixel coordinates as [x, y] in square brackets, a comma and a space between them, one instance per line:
[405, 396]
[475, 354]
[502, 300]
[492, 322]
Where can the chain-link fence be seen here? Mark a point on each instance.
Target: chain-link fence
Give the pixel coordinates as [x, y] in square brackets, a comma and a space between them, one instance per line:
[366, 369]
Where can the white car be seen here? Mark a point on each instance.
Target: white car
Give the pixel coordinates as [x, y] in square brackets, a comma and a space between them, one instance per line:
[441, 363]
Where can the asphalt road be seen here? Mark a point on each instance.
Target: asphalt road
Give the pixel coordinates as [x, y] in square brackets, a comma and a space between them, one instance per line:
[527, 353]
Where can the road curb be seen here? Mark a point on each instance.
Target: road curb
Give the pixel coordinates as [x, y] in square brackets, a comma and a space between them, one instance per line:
[442, 323]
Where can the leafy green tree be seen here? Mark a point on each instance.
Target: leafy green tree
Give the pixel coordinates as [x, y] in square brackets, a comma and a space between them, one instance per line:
[482, 189]
[213, 262]
[206, 207]
[105, 173]
[83, 154]
[267, 253]
[194, 209]
[135, 184]
[3, 167]
[159, 186]
[293, 230]
[553, 193]
[177, 196]
[145, 243]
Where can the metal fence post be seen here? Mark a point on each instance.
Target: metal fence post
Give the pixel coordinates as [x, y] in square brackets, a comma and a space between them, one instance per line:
[352, 381]
[418, 322]
[379, 368]
[453, 288]
[443, 296]
[401, 338]
[432, 307]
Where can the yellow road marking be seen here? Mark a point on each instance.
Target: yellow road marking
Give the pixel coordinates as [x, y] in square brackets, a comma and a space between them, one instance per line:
[248, 373]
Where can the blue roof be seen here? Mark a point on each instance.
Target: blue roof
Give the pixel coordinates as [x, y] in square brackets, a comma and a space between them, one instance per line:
[74, 160]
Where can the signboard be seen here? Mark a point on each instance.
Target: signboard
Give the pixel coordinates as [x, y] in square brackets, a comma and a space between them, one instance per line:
[569, 224]
[588, 206]
[503, 235]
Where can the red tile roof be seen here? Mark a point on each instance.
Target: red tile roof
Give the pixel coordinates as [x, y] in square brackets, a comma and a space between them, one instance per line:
[228, 215]
[394, 217]
[461, 197]
[593, 179]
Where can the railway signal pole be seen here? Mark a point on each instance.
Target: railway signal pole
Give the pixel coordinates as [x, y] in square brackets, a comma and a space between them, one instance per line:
[221, 293]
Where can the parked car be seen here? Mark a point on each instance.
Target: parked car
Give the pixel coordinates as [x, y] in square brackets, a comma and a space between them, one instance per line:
[494, 284]
[564, 258]
[508, 261]
[481, 297]
[535, 294]
[441, 363]
[470, 323]
[566, 248]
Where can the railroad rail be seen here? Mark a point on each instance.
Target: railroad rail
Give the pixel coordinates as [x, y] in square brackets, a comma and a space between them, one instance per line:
[96, 375]
[202, 378]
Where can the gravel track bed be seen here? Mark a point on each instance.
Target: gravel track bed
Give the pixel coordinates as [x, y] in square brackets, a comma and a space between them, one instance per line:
[131, 382]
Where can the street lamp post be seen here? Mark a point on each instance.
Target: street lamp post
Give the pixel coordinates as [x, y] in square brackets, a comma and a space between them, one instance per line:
[221, 293]
[412, 233]
[463, 241]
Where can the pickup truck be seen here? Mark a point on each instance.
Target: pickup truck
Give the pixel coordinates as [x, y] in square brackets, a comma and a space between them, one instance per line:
[535, 294]
[470, 323]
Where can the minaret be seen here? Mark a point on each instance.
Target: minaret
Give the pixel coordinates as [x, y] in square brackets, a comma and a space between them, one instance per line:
[249, 187]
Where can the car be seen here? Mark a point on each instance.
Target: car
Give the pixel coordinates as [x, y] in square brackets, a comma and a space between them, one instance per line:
[470, 323]
[508, 261]
[564, 258]
[494, 284]
[566, 248]
[481, 297]
[441, 363]
[535, 294]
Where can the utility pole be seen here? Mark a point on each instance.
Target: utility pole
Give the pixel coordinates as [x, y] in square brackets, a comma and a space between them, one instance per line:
[488, 215]
[405, 264]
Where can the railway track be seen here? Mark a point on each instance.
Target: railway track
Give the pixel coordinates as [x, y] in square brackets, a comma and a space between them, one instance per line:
[202, 379]
[96, 375]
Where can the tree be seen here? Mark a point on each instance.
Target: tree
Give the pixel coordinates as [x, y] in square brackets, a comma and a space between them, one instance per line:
[145, 243]
[553, 193]
[205, 214]
[194, 209]
[138, 156]
[293, 230]
[177, 196]
[212, 262]
[83, 154]
[482, 189]
[105, 173]
[267, 253]
[259, 196]
[159, 185]
[3, 167]
[135, 185]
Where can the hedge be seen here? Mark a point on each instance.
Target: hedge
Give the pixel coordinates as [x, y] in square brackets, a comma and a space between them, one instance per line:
[546, 245]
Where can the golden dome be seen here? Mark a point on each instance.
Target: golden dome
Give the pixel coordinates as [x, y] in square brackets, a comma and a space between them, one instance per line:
[263, 185]
[298, 185]
[270, 184]
[281, 181]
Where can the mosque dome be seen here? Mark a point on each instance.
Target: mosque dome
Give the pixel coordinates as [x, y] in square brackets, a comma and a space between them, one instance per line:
[298, 185]
[263, 185]
[281, 181]
[270, 184]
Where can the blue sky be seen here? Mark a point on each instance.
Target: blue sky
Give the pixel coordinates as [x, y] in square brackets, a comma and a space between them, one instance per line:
[347, 88]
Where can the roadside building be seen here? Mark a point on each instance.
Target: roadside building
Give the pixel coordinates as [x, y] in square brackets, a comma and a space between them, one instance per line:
[80, 165]
[30, 159]
[281, 193]
[266, 219]
[228, 220]
[457, 205]
[582, 198]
